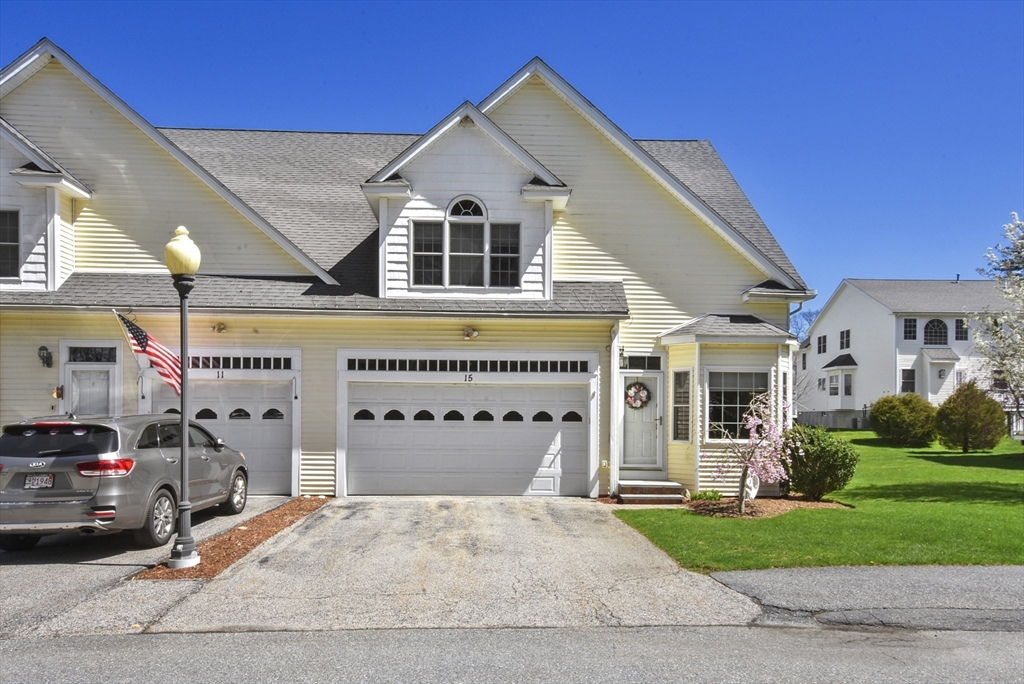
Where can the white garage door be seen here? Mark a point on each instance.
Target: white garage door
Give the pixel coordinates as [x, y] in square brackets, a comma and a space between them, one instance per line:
[467, 439]
[254, 417]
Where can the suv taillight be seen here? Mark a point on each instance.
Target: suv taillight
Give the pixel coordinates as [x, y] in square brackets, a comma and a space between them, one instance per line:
[117, 467]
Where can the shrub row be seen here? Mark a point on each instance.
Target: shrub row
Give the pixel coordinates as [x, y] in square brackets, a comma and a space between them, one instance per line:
[969, 420]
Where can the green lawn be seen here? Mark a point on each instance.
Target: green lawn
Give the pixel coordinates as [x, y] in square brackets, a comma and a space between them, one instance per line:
[909, 507]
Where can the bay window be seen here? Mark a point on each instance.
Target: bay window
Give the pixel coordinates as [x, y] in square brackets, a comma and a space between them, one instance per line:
[729, 397]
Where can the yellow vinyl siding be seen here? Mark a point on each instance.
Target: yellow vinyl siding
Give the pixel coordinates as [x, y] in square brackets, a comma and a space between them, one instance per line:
[141, 193]
[682, 456]
[27, 385]
[621, 223]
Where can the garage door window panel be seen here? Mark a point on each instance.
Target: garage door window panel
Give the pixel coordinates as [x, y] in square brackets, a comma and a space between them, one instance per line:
[423, 415]
[364, 414]
[395, 414]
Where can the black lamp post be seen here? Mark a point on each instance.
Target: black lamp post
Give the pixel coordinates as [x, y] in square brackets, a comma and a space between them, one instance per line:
[182, 257]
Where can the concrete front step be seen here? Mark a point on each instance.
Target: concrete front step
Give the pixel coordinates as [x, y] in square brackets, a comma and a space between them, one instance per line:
[650, 498]
[650, 492]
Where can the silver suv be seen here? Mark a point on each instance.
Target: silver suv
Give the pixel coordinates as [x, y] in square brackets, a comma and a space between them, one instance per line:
[106, 474]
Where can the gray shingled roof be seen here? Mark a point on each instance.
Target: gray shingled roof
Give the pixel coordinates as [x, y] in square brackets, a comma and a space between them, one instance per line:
[842, 360]
[590, 299]
[729, 325]
[698, 166]
[307, 186]
[940, 354]
[933, 296]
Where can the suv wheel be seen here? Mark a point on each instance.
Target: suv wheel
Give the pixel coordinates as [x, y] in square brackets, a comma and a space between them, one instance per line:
[159, 525]
[18, 542]
[238, 494]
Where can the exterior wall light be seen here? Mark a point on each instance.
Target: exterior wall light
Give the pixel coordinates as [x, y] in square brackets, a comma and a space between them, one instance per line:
[942, 373]
[470, 333]
[46, 356]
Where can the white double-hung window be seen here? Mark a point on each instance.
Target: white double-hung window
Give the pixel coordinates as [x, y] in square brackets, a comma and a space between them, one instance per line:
[465, 250]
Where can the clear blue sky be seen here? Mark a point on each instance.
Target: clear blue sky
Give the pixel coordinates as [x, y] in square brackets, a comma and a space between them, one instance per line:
[877, 140]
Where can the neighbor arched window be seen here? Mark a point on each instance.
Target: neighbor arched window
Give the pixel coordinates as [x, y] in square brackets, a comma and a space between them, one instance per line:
[936, 332]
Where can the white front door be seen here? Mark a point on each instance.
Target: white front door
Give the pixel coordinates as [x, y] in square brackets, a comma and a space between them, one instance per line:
[641, 427]
[89, 390]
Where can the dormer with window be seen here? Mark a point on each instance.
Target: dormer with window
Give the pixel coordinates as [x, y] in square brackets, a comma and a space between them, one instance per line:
[465, 212]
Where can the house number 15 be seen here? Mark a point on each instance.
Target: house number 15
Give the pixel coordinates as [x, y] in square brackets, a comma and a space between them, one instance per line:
[468, 377]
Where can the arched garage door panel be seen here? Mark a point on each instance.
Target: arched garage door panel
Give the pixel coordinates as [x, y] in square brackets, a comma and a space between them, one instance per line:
[467, 439]
[254, 417]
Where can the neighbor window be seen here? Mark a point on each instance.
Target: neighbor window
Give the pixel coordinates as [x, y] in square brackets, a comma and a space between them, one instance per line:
[999, 380]
[907, 377]
[833, 385]
[910, 328]
[803, 361]
[847, 385]
[729, 397]
[821, 384]
[681, 406]
[844, 339]
[822, 344]
[960, 328]
[9, 244]
[466, 250]
[961, 377]
[936, 332]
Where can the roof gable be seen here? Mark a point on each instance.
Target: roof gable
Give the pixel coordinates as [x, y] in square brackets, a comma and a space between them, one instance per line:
[780, 270]
[45, 51]
[466, 111]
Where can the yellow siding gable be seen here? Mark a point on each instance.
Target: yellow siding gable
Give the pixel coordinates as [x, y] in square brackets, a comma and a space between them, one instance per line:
[621, 223]
[141, 193]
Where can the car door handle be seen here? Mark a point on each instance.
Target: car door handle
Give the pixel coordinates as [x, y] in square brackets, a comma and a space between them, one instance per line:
[205, 458]
[172, 460]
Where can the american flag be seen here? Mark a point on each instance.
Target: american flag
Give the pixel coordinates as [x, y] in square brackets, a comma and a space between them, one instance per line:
[160, 357]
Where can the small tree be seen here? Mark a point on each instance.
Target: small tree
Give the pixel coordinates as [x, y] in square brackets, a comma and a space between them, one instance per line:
[1002, 343]
[764, 454]
[904, 420]
[819, 462]
[970, 420]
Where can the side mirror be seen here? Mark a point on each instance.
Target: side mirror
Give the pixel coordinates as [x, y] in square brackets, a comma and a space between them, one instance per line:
[219, 444]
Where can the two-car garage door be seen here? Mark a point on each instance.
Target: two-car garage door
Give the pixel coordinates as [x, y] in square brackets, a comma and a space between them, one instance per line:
[469, 439]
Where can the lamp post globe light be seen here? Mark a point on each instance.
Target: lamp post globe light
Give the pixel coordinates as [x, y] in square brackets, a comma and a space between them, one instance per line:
[182, 257]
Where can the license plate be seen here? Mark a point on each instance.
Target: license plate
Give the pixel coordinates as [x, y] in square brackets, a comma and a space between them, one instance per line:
[38, 481]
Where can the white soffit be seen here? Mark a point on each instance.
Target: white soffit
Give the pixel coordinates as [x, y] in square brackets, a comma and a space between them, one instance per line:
[42, 52]
[558, 85]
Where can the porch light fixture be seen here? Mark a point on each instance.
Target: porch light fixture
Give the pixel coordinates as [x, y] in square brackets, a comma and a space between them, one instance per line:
[220, 328]
[46, 356]
[470, 333]
[182, 257]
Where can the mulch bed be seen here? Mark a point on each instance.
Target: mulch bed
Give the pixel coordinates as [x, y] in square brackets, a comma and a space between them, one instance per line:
[220, 552]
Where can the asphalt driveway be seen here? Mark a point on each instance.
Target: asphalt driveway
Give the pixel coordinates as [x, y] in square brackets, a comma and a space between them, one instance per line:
[424, 562]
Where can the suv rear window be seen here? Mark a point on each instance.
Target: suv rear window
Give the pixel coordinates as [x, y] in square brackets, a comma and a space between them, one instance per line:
[31, 441]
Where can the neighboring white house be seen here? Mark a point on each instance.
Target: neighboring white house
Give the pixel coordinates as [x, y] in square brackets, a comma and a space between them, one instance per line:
[874, 338]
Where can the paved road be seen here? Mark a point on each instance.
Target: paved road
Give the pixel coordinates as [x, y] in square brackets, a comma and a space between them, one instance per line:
[600, 654]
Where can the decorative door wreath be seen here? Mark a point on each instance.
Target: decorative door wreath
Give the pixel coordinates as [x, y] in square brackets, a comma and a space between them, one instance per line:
[637, 395]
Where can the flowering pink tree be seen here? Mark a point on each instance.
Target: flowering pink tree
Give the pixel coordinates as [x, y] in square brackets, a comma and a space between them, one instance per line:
[763, 455]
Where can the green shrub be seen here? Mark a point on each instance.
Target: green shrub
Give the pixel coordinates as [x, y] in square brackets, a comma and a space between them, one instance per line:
[706, 495]
[970, 420]
[819, 462]
[904, 420]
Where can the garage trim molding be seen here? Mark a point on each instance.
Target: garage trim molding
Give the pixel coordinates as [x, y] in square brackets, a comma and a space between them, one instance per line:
[580, 368]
